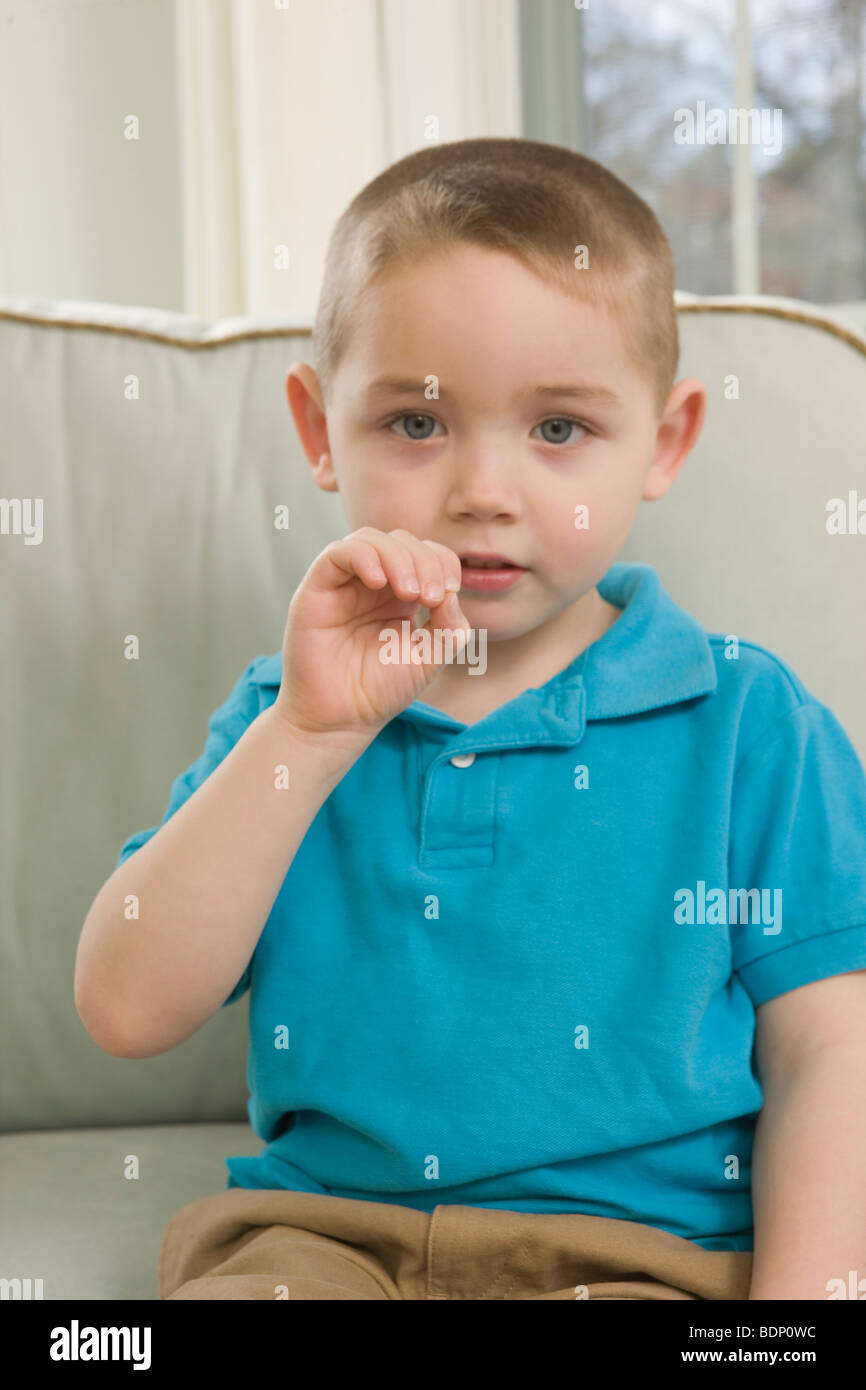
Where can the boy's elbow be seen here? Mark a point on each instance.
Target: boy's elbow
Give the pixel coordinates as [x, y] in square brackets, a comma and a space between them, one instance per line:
[104, 1038]
[103, 1031]
[117, 1045]
[121, 1042]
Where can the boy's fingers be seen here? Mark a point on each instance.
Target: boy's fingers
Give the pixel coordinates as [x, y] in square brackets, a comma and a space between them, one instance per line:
[428, 567]
[451, 569]
[399, 552]
[355, 559]
[368, 565]
[392, 558]
[415, 569]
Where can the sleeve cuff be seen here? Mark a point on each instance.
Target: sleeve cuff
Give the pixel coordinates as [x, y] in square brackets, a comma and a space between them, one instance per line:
[801, 963]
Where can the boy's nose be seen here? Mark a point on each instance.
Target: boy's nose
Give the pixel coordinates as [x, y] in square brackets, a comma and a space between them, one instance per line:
[484, 484]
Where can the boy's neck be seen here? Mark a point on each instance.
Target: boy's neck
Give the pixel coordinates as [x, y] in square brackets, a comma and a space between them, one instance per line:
[522, 663]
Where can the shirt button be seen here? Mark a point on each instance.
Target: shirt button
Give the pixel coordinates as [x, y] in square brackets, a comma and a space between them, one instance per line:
[463, 759]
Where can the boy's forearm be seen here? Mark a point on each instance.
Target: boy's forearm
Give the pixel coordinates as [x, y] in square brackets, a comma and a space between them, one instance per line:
[205, 884]
[808, 1188]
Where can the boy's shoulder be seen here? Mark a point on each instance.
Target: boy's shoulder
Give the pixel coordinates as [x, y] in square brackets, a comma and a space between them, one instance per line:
[761, 692]
[757, 670]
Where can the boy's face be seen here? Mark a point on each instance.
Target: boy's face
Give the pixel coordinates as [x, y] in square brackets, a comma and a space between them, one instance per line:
[499, 463]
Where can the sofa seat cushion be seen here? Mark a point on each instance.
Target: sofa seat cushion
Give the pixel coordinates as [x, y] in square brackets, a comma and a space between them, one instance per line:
[73, 1215]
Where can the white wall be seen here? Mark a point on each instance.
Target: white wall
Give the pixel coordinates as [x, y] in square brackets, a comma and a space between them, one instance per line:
[84, 212]
[259, 120]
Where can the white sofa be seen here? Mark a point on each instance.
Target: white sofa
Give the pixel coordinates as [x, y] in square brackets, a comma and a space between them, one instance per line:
[160, 447]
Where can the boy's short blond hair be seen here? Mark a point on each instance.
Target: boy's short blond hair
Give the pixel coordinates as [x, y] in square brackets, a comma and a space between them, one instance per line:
[536, 201]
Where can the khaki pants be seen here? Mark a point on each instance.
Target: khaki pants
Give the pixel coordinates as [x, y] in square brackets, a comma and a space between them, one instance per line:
[253, 1244]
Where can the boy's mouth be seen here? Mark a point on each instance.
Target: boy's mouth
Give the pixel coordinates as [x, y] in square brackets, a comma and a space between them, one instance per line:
[488, 574]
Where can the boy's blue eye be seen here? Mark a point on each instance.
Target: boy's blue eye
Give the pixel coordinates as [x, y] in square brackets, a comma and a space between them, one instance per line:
[562, 421]
[416, 420]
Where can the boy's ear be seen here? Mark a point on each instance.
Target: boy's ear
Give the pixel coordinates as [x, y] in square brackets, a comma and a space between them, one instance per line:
[308, 412]
[678, 433]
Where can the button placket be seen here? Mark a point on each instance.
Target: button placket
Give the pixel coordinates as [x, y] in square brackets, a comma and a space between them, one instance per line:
[457, 819]
[458, 806]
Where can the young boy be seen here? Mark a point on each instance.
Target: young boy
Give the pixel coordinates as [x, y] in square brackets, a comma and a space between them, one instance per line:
[510, 941]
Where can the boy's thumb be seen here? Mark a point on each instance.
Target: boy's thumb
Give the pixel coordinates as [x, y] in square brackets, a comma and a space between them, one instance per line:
[450, 622]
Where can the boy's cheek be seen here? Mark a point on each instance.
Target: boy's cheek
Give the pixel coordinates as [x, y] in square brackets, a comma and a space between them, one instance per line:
[603, 520]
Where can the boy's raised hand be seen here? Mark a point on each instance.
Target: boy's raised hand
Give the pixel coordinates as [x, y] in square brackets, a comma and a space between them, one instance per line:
[334, 678]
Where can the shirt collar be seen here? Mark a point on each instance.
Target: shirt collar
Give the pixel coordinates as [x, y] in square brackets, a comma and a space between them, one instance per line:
[655, 654]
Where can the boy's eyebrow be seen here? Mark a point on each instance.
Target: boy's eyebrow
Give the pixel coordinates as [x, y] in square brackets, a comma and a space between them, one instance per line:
[585, 391]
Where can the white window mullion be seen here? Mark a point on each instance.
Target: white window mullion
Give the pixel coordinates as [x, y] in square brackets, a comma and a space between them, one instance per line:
[745, 231]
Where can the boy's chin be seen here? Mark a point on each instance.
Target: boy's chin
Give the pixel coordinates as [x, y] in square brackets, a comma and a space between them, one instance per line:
[502, 617]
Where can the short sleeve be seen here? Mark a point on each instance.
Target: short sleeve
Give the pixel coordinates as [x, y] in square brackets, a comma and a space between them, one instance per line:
[225, 727]
[798, 834]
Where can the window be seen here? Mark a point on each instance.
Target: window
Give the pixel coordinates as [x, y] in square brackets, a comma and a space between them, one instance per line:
[782, 212]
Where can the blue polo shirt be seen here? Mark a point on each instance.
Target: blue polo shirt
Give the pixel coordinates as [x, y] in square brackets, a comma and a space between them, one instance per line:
[516, 963]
